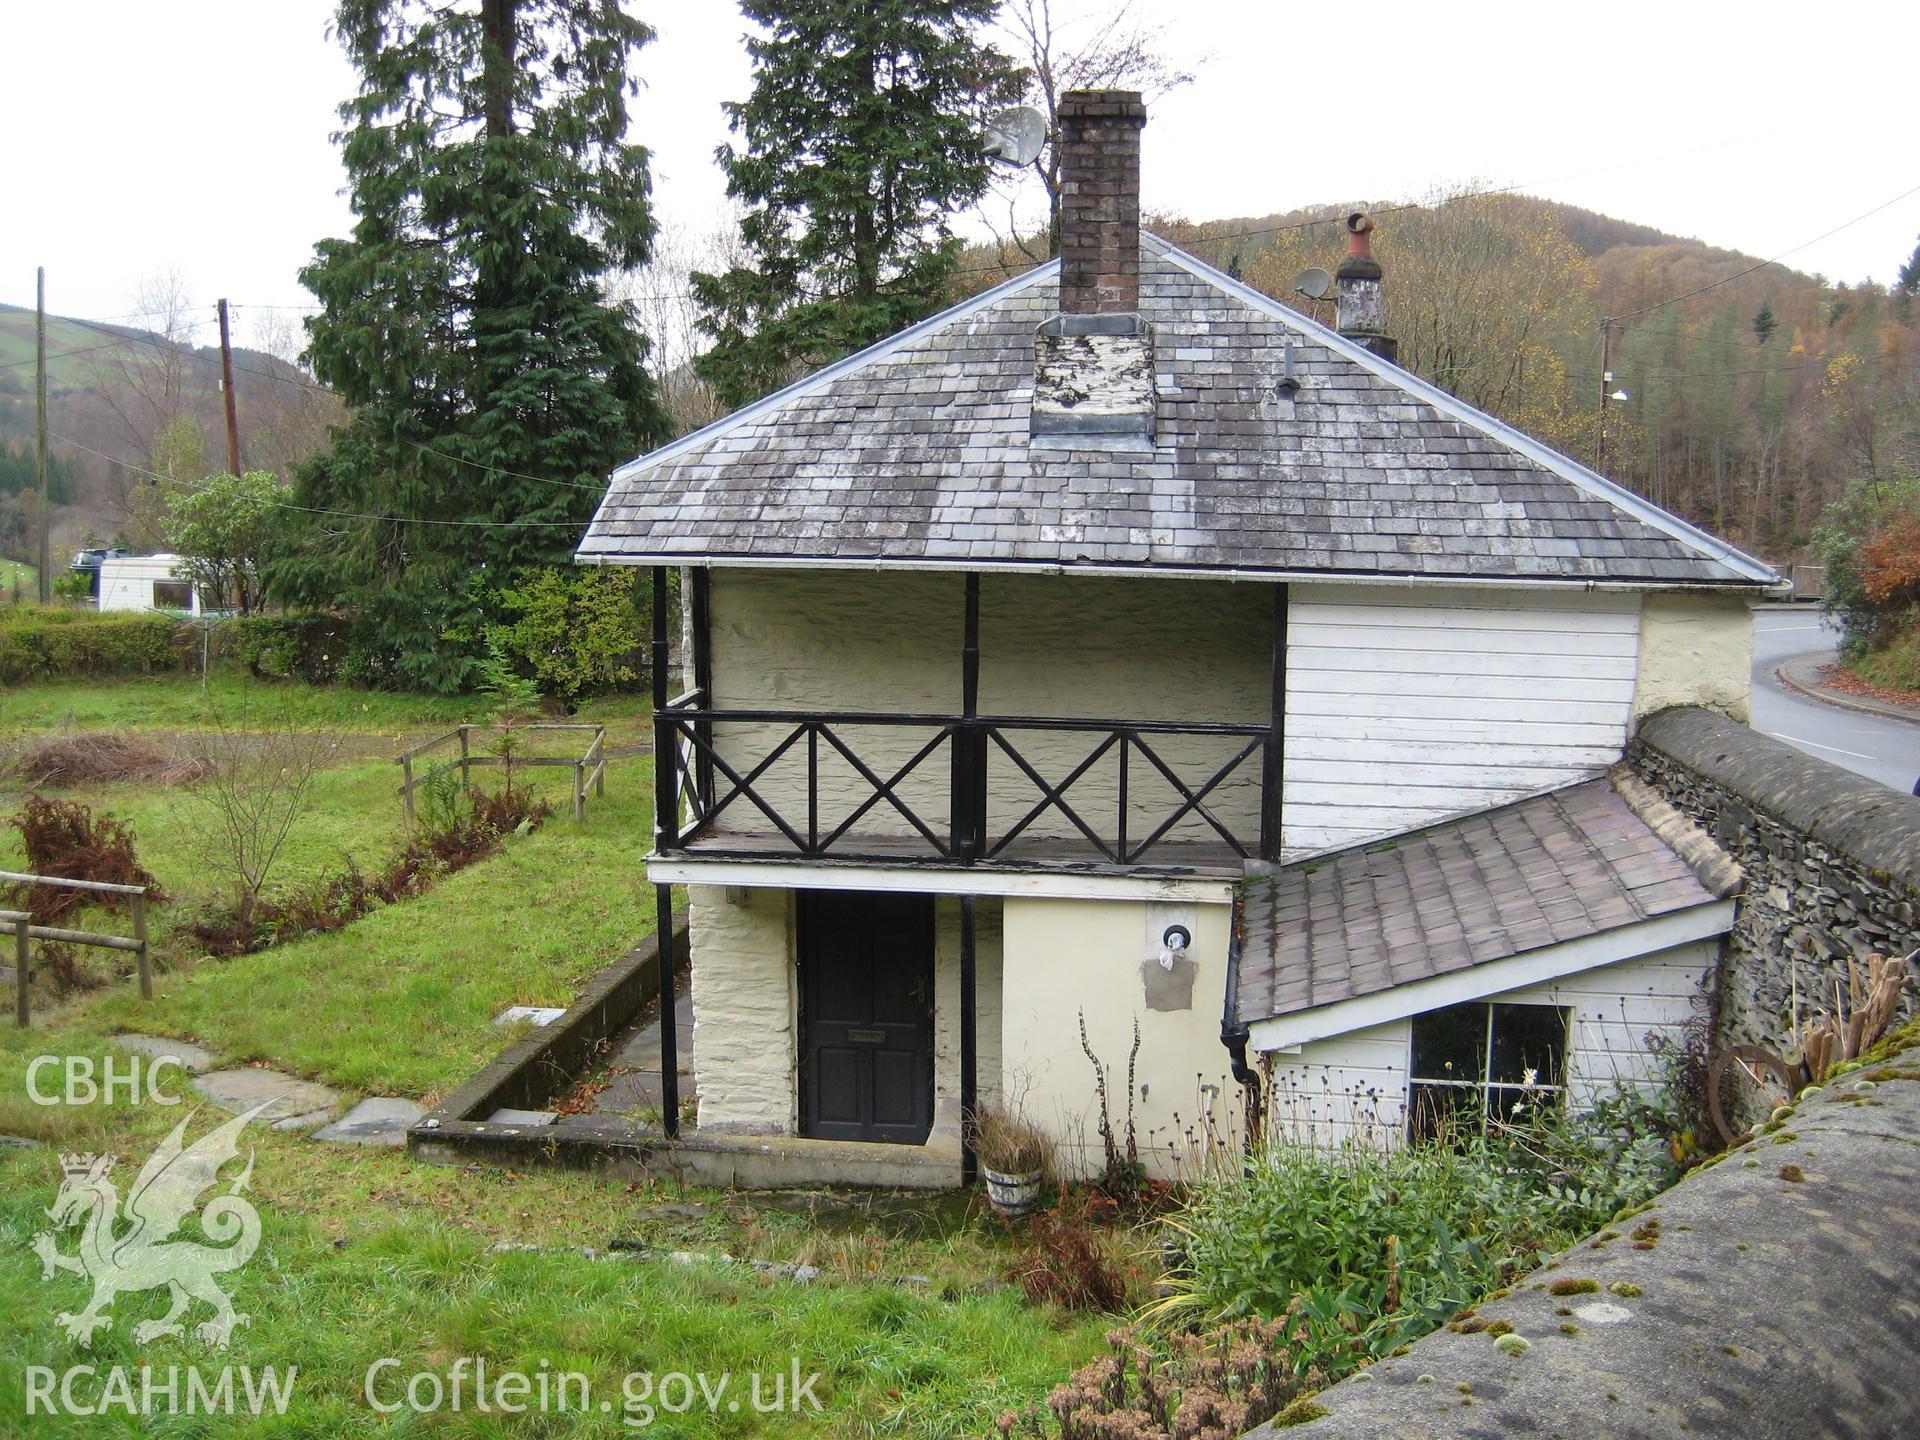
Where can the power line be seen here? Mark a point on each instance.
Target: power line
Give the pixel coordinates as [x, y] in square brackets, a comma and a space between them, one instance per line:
[337, 514]
[68, 354]
[303, 381]
[1729, 279]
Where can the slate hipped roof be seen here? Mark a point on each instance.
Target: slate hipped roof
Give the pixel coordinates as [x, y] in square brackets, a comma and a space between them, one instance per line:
[1543, 871]
[917, 452]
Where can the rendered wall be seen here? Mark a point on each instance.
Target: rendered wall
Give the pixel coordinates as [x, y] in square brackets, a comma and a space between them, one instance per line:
[746, 1023]
[743, 1010]
[1068, 959]
[986, 999]
[1049, 646]
[1354, 1086]
[1695, 650]
[1403, 705]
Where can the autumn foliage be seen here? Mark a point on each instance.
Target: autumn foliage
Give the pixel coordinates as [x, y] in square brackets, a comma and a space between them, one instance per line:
[1890, 562]
[68, 841]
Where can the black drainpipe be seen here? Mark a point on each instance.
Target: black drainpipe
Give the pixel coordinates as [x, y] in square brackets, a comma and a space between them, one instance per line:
[1233, 1034]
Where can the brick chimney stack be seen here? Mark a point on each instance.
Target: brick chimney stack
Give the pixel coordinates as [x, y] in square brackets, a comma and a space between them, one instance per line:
[1357, 297]
[1093, 361]
[1100, 201]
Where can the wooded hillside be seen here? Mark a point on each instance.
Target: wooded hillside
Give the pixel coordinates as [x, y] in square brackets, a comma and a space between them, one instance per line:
[1756, 392]
[126, 402]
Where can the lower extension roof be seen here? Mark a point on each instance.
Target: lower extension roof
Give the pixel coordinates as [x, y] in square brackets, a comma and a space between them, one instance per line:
[1597, 858]
[915, 453]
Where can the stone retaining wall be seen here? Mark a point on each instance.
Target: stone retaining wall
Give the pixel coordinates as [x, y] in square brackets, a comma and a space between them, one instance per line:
[1773, 1297]
[1832, 862]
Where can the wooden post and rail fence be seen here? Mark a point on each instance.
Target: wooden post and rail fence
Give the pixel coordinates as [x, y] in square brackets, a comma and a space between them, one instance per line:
[20, 923]
[589, 767]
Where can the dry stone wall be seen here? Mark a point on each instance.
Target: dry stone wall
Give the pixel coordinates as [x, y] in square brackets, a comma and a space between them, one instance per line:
[1832, 862]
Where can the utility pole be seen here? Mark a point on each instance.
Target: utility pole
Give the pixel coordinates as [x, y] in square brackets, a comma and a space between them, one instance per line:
[226, 391]
[45, 584]
[1606, 385]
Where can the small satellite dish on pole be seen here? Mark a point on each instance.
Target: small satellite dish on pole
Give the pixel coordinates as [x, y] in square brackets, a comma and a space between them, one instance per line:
[1017, 135]
[1313, 283]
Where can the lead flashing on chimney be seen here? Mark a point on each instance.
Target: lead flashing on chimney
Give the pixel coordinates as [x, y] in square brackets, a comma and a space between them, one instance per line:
[1105, 323]
[1093, 377]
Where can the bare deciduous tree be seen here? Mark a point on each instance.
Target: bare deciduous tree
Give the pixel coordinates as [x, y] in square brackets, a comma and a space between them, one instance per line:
[149, 386]
[1081, 51]
[285, 415]
[661, 295]
[257, 785]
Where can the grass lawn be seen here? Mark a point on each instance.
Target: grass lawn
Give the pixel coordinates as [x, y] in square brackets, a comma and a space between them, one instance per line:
[367, 1255]
[14, 572]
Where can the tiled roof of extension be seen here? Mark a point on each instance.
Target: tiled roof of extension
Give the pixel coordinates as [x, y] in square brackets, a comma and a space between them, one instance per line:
[916, 453]
[1542, 871]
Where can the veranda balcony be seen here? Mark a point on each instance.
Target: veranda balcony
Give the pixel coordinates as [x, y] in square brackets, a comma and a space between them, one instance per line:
[1179, 797]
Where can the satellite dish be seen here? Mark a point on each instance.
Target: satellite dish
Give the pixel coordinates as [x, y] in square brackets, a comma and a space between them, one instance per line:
[1017, 135]
[1313, 283]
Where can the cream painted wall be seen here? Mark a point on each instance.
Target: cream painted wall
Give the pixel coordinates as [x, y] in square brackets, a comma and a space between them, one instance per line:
[1050, 646]
[1065, 959]
[743, 1010]
[1696, 650]
[946, 999]
[1354, 1086]
[1403, 705]
[745, 1033]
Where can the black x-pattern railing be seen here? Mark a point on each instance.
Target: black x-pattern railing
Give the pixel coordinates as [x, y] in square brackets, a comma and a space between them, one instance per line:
[686, 735]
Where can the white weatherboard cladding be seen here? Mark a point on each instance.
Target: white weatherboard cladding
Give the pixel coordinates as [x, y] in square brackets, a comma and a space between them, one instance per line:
[1148, 649]
[1406, 707]
[1355, 1085]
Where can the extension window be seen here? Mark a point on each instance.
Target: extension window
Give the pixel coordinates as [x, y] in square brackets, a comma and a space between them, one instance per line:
[1479, 1061]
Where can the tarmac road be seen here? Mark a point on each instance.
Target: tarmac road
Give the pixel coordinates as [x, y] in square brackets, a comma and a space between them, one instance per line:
[1881, 747]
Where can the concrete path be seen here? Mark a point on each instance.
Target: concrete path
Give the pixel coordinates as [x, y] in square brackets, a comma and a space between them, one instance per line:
[1882, 747]
[189, 1057]
[1773, 1296]
[381, 1120]
[636, 1061]
[299, 1104]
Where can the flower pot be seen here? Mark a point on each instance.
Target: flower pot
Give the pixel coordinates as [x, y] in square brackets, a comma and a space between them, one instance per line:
[1012, 1195]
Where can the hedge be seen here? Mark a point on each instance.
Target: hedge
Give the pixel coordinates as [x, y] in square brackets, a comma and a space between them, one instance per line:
[320, 649]
[57, 644]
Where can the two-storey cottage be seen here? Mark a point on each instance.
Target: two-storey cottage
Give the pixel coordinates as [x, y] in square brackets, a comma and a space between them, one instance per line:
[1056, 666]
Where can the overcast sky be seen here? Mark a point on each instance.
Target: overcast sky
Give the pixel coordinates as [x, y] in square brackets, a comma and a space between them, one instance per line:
[194, 136]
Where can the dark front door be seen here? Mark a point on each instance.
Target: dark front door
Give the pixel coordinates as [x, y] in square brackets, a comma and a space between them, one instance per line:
[866, 1016]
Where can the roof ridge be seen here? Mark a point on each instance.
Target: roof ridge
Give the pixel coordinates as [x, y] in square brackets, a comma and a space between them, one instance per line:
[1701, 542]
[1717, 871]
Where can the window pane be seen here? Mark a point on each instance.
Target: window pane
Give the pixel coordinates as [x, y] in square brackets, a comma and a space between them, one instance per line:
[1451, 1044]
[172, 595]
[1437, 1112]
[1528, 1037]
[1521, 1103]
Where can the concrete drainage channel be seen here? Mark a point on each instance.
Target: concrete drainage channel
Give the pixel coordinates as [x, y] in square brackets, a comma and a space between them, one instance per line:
[501, 1116]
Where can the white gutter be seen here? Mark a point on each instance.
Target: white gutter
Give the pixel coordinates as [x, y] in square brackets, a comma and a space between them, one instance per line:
[958, 565]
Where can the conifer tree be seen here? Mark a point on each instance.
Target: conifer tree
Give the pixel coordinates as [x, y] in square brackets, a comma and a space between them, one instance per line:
[862, 134]
[492, 380]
